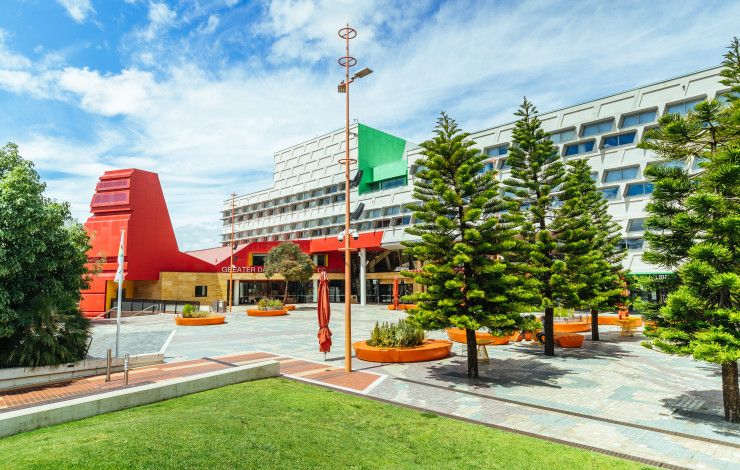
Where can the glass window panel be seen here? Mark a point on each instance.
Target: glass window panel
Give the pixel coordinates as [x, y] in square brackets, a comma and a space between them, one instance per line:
[612, 141]
[606, 126]
[648, 116]
[609, 193]
[503, 164]
[588, 146]
[636, 225]
[629, 173]
[633, 243]
[591, 129]
[571, 149]
[630, 121]
[626, 139]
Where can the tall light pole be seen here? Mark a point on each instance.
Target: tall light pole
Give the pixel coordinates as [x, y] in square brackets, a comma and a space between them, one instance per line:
[348, 61]
[230, 290]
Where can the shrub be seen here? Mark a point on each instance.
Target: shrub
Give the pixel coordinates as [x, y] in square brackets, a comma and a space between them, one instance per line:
[563, 312]
[270, 304]
[402, 334]
[191, 311]
[531, 323]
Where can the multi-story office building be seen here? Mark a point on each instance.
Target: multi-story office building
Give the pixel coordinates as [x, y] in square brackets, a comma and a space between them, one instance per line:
[306, 200]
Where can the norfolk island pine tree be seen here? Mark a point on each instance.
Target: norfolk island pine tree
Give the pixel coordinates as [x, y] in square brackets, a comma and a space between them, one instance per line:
[589, 243]
[536, 173]
[693, 226]
[465, 241]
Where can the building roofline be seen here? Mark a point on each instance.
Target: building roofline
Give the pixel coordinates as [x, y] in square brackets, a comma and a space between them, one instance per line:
[603, 97]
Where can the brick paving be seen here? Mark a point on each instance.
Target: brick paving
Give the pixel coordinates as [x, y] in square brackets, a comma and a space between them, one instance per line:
[294, 368]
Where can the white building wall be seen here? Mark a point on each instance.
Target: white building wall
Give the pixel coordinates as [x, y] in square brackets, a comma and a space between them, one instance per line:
[314, 164]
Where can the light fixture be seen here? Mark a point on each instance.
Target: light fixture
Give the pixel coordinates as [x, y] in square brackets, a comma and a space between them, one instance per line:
[362, 73]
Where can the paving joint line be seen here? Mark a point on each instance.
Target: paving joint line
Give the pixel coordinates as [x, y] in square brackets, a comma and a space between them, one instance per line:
[575, 413]
[217, 361]
[555, 440]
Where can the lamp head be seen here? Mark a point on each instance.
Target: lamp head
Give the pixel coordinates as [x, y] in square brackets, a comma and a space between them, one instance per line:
[362, 73]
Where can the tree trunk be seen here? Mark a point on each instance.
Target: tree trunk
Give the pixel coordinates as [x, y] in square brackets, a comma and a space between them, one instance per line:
[594, 324]
[285, 294]
[472, 354]
[549, 331]
[730, 392]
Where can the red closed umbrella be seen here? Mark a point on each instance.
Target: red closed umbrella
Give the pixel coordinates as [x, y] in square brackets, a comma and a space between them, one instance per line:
[324, 311]
[395, 293]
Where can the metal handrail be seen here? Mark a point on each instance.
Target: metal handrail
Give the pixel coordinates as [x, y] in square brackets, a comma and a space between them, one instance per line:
[104, 313]
[142, 311]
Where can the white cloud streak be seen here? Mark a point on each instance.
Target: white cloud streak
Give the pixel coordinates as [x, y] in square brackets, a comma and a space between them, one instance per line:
[79, 10]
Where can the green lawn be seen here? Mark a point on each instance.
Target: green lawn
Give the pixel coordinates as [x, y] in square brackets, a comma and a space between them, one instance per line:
[277, 423]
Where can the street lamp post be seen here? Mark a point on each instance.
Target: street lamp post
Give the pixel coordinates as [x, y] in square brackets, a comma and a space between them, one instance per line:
[348, 61]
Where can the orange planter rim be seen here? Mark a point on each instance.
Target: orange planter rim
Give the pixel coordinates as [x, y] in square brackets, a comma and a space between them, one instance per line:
[202, 321]
[430, 350]
[458, 335]
[266, 313]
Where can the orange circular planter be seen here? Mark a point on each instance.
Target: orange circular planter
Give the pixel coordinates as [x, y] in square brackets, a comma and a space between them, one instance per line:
[572, 327]
[570, 341]
[213, 320]
[614, 320]
[289, 307]
[458, 335]
[430, 350]
[528, 336]
[266, 313]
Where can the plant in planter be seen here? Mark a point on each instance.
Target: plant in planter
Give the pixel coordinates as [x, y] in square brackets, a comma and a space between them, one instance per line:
[270, 304]
[402, 341]
[191, 311]
[530, 325]
[402, 334]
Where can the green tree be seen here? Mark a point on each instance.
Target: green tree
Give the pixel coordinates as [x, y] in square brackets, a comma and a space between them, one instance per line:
[536, 173]
[589, 243]
[43, 255]
[693, 226]
[288, 261]
[465, 241]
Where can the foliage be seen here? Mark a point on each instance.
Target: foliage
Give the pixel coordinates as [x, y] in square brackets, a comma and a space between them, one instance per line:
[270, 304]
[465, 240]
[694, 227]
[276, 417]
[48, 332]
[287, 260]
[530, 323]
[191, 311]
[402, 334]
[536, 173]
[43, 253]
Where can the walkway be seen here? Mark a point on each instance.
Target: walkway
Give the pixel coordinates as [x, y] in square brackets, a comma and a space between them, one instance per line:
[614, 396]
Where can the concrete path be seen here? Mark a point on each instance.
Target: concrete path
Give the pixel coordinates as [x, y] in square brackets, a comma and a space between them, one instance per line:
[614, 396]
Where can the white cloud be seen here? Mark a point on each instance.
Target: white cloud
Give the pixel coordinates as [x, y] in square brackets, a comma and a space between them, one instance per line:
[79, 10]
[210, 25]
[8, 59]
[108, 95]
[161, 17]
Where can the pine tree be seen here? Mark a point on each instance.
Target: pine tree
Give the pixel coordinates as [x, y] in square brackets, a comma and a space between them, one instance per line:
[589, 243]
[537, 172]
[694, 227]
[464, 241]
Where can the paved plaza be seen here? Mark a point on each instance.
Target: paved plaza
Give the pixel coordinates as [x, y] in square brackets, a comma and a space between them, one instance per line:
[614, 395]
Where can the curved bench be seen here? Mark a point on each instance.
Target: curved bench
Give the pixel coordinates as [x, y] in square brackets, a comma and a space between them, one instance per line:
[458, 335]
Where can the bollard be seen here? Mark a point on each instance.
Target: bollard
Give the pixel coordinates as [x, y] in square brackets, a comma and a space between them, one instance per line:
[125, 370]
[109, 364]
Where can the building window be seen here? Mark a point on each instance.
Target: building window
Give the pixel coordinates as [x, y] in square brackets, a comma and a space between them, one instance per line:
[621, 174]
[619, 140]
[392, 210]
[680, 164]
[503, 165]
[609, 193]
[382, 223]
[322, 260]
[636, 225]
[563, 136]
[684, 107]
[639, 189]
[258, 259]
[497, 151]
[372, 213]
[644, 117]
[402, 221]
[487, 166]
[633, 243]
[387, 184]
[576, 149]
[595, 175]
[201, 291]
[597, 128]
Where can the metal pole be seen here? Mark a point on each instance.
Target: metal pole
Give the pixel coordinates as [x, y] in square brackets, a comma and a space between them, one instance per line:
[118, 316]
[230, 290]
[347, 235]
[125, 370]
[109, 364]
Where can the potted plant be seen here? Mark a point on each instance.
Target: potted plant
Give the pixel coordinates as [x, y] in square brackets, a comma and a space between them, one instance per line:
[268, 308]
[194, 316]
[530, 325]
[402, 341]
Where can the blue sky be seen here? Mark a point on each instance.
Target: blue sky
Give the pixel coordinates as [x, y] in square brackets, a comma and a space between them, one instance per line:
[205, 91]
